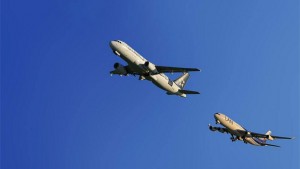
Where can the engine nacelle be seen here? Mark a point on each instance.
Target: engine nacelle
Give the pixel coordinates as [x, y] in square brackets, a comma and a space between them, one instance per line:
[151, 67]
[247, 134]
[119, 69]
[221, 130]
[212, 128]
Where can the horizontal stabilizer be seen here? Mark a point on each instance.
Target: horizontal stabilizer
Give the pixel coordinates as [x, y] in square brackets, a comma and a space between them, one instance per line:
[188, 92]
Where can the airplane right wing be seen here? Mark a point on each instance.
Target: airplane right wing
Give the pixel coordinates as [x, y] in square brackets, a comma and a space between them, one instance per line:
[270, 137]
[258, 135]
[125, 70]
[166, 69]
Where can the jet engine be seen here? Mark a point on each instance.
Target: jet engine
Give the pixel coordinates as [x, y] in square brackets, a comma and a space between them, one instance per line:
[216, 129]
[221, 130]
[247, 134]
[151, 67]
[120, 69]
[212, 128]
[240, 138]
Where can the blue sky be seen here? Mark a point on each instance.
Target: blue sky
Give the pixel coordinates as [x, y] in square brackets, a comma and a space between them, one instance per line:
[61, 109]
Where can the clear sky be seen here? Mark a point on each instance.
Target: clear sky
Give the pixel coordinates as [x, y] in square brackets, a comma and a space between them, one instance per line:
[60, 108]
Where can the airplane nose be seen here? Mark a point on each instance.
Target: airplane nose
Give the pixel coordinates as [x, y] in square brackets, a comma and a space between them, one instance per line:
[216, 115]
[111, 43]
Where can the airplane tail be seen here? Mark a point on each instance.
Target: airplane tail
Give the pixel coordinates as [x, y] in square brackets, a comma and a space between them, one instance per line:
[181, 81]
[269, 136]
[268, 132]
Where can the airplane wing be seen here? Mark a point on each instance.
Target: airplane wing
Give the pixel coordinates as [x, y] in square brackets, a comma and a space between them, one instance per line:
[268, 136]
[166, 69]
[124, 70]
[258, 135]
[265, 144]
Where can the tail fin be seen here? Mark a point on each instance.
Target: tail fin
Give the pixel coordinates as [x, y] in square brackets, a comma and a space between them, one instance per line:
[269, 136]
[181, 81]
[268, 132]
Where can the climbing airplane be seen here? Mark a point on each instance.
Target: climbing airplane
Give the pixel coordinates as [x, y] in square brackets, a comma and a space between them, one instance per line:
[239, 133]
[137, 65]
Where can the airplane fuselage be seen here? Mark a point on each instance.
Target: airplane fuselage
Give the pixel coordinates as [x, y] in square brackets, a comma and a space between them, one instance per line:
[235, 129]
[137, 64]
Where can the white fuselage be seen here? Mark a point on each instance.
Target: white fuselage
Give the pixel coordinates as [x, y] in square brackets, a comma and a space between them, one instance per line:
[234, 128]
[137, 64]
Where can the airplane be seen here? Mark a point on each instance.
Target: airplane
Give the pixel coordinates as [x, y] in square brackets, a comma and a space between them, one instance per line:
[138, 65]
[239, 133]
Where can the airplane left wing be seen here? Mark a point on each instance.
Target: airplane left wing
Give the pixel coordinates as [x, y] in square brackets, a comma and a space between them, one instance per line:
[258, 135]
[166, 69]
[268, 136]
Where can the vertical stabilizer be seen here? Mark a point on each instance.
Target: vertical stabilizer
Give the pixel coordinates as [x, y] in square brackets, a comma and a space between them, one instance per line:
[181, 81]
[268, 133]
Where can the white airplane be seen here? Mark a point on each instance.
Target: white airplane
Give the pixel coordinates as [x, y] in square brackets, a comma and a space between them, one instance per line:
[137, 65]
[239, 133]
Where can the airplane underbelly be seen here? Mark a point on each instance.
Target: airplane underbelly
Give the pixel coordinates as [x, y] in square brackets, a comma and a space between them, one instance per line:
[251, 141]
[162, 83]
[232, 127]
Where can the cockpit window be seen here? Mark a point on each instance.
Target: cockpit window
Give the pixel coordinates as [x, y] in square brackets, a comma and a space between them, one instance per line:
[118, 41]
